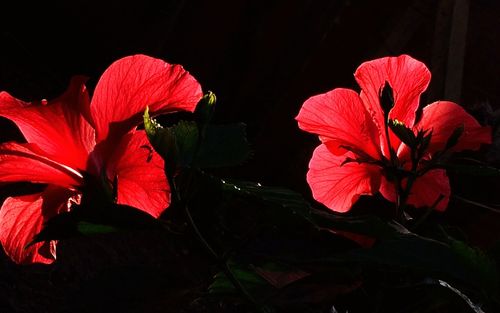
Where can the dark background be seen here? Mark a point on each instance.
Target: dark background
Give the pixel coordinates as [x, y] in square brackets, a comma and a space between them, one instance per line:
[262, 59]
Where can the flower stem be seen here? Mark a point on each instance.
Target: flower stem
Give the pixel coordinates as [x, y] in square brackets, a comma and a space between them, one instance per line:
[224, 266]
[177, 199]
[401, 193]
[198, 232]
[402, 197]
[221, 261]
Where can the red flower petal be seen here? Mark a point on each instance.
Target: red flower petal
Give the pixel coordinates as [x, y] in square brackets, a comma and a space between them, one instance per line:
[339, 118]
[132, 83]
[23, 217]
[408, 79]
[443, 117]
[25, 162]
[426, 190]
[387, 189]
[57, 126]
[140, 173]
[339, 186]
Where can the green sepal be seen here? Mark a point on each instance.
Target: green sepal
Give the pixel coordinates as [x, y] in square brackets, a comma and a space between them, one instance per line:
[163, 142]
[205, 109]
[423, 139]
[386, 99]
[175, 144]
[404, 133]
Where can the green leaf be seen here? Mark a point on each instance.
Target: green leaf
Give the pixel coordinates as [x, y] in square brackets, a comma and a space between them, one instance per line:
[181, 146]
[250, 280]
[476, 308]
[404, 133]
[428, 256]
[476, 259]
[290, 207]
[281, 197]
[258, 279]
[367, 225]
[223, 145]
[87, 228]
[163, 141]
[397, 247]
[186, 140]
[470, 169]
[176, 144]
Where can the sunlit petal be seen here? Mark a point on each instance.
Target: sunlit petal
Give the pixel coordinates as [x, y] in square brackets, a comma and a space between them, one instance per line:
[58, 126]
[23, 217]
[431, 189]
[428, 189]
[443, 117]
[408, 79]
[339, 186]
[339, 117]
[132, 83]
[140, 175]
[25, 162]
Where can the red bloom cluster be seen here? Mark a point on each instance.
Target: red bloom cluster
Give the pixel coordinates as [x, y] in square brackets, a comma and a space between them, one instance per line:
[353, 126]
[72, 135]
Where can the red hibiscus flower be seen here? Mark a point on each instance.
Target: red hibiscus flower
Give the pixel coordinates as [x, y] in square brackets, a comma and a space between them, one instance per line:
[71, 135]
[359, 152]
